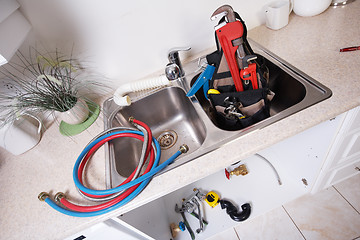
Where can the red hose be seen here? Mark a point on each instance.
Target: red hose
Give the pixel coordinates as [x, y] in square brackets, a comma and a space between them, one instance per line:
[94, 149]
[91, 151]
[114, 201]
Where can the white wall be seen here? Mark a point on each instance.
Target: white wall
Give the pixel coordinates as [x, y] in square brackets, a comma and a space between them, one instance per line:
[127, 40]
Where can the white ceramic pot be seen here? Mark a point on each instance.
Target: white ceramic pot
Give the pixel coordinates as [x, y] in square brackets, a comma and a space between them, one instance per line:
[21, 135]
[309, 8]
[78, 114]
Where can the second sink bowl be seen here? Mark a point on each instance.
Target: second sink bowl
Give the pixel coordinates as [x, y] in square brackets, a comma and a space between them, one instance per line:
[288, 88]
[176, 119]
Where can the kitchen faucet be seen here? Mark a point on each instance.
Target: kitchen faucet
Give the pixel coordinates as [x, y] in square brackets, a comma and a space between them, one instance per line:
[174, 70]
[173, 56]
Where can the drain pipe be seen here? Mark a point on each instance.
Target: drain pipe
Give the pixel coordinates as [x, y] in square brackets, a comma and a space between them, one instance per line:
[232, 211]
[172, 72]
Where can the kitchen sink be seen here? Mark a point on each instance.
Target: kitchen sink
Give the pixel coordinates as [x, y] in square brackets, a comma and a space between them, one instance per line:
[289, 90]
[176, 119]
[172, 119]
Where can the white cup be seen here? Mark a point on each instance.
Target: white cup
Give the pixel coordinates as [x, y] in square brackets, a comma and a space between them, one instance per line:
[21, 135]
[277, 14]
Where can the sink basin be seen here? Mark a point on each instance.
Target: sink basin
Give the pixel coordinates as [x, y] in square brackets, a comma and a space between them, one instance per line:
[172, 119]
[176, 119]
[288, 89]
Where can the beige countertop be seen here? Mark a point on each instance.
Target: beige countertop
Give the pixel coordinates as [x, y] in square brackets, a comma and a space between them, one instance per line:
[311, 44]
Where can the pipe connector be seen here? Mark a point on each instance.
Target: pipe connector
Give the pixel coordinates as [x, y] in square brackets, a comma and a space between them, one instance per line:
[131, 119]
[42, 196]
[184, 148]
[59, 196]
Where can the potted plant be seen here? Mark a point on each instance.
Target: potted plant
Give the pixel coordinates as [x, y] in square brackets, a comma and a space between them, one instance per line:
[48, 82]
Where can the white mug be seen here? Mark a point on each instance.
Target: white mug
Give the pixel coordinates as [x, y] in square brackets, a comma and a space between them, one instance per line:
[277, 14]
[21, 135]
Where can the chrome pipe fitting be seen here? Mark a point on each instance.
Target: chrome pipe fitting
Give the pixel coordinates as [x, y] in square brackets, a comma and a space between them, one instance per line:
[59, 196]
[184, 148]
[42, 196]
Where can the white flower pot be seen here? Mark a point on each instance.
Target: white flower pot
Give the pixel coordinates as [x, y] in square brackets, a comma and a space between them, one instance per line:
[76, 115]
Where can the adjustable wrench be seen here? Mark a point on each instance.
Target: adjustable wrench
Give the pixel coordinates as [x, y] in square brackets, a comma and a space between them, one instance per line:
[230, 37]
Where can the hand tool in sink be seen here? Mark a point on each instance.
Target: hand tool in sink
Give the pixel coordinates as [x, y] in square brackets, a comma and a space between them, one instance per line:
[230, 37]
[248, 73]
[202, 81]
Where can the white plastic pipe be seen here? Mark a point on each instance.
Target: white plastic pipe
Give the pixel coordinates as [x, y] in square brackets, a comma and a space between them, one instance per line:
[120, 97]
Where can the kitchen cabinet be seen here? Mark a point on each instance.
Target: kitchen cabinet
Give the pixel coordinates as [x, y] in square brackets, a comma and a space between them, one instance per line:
[343, 160]
[306, 163]
[298, 161]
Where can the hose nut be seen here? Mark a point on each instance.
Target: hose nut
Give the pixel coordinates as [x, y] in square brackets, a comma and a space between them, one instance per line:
[184, 148]
[131, 119]
[59, 196]
[42, 196]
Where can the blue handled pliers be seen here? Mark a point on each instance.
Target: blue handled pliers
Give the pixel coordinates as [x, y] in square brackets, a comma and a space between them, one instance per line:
[202, 81]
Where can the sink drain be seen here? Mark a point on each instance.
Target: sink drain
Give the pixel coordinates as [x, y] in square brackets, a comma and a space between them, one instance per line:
[167, 139]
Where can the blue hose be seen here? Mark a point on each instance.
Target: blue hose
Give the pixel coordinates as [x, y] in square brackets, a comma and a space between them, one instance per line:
[112, 190]
[52, 204]
[144, 180]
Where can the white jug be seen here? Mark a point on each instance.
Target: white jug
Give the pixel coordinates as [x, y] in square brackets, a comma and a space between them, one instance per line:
[277, 14]
[21, 135]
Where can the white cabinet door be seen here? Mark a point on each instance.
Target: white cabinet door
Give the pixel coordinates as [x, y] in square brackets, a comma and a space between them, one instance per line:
[344, 155]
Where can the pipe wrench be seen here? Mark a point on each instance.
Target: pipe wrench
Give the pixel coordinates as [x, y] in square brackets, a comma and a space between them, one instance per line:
[248, 73]
[230, 37]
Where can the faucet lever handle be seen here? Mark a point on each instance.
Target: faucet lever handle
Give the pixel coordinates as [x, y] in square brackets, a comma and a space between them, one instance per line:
[173, 53]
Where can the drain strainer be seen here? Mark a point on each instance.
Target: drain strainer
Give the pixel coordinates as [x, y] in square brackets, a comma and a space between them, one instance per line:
[167, 139]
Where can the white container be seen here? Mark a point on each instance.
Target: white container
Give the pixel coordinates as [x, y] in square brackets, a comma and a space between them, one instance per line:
[21, 135]
[76, 115]
[277, 14]
[309, 8]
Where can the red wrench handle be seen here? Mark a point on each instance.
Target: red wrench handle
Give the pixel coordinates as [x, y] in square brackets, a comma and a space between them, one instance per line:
[249, 73]
[226, 34]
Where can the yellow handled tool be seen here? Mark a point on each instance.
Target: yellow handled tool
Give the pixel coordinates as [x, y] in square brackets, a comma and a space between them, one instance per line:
[213, 91]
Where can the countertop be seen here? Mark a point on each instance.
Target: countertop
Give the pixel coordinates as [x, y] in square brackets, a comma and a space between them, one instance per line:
[311, 44]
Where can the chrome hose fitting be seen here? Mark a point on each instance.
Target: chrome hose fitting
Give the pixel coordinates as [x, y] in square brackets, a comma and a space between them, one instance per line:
[59, 196]
[131, 119]
[42, 196]
[184, 148]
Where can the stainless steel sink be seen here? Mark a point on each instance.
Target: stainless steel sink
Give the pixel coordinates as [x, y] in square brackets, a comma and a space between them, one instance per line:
[172, 119]
[289, 90]
[176, 119]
